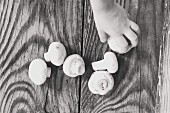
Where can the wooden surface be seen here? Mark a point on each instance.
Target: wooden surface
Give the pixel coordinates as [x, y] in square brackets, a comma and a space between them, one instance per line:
[27, 27]
[136, 80]
[164, 68]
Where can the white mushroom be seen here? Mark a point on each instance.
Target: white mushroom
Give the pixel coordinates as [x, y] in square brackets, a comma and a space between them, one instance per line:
[74, 65]
[109, 62]
[56, 53]
[121, 48]
[38, 71]
[100, 82]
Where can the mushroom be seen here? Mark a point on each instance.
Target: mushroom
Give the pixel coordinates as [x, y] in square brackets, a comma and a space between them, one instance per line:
[109, 62]
[38, 71]
[74, 65]
[121, 48]
[56, 53]
[101, 82]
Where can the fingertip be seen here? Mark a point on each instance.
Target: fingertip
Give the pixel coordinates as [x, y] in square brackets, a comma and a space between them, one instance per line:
[103, 39]
[135, 27]
[135, 42]
[132, 37]
[102, 35]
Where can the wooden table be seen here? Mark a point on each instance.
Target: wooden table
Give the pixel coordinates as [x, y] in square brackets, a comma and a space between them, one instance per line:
[27, 27]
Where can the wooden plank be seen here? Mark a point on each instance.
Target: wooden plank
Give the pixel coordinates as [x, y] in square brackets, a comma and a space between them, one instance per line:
[136, 80]
[164, 70]
[27, 27]
[152, 22]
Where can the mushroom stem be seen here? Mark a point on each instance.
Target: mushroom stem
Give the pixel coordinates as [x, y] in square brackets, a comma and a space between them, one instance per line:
[79, 69]
[99, 65]
[47, 57]
[48, 72]
[102, 84]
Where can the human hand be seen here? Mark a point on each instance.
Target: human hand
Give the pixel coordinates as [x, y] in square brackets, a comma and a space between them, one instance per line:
[114, 26]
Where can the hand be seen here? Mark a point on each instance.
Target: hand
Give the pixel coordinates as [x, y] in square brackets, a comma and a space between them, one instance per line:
[114, 26]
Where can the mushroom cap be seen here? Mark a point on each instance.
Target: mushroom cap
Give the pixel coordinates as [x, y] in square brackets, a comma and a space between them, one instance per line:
[38, 71]
[117, 48]
[101, 82]
[56, 53]
[111, 62]
[74, 65]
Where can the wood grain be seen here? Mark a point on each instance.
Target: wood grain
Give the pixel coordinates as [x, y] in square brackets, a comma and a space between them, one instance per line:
[27, 27]
[136, 80]
[164, 67]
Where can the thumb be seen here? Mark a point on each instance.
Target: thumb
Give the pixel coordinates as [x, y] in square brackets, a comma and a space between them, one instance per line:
[102, 35]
